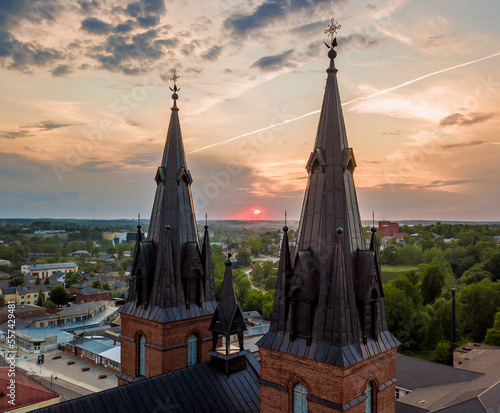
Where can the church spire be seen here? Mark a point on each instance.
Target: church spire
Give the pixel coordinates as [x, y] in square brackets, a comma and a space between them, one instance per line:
[319, 308]
[228, 320]
[171, 278]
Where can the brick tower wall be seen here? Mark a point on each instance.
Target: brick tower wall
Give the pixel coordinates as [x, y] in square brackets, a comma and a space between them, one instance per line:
[329, 383]
[166, 344]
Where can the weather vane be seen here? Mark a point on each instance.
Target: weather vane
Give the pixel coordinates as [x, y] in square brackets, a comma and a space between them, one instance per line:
[174, 79]
[331, 31]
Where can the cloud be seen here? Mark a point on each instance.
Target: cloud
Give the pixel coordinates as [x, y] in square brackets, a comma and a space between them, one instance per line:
[311, 28]
[134, 123]
[94, 25]
[462, 145]
[145, 7]
[148, 21]
[459, 119]
[30, 129]
[213, 53]
[274, 63]
[88, 6]
[21, 56]
[130, 54]
[61, 70]
[398, 132]
[13, 12]
[358, 41]
[126, 27]
[268, 12]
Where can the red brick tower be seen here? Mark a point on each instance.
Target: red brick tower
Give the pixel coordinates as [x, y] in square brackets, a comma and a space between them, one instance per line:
[172, 294]
[328, 348]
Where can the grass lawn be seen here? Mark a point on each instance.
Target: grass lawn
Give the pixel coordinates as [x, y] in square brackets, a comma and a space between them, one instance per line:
[389, 272]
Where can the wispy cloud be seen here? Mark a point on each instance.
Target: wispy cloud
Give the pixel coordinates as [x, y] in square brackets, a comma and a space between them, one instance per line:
[459, 119]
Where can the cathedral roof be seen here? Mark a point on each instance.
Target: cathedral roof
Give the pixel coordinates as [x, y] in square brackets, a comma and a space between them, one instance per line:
[201, 387]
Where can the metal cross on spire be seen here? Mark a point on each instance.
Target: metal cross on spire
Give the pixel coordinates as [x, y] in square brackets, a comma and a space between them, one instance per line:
[174, 79]
[206, 219]
[331, 30]
[228, 243]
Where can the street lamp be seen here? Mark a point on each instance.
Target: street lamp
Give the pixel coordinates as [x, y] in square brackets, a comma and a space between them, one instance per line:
[52, 376]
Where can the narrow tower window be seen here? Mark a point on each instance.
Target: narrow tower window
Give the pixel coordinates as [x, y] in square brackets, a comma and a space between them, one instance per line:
[369, 398]
[192, 350]
[299, 398]
[142, 356]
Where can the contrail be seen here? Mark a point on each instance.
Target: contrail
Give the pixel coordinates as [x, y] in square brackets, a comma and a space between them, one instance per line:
[379, 93]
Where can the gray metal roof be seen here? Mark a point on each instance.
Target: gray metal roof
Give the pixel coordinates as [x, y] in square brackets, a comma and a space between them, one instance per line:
[41, 267]
[199, 388]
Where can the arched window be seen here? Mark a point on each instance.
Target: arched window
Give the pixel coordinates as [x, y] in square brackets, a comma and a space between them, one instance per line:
[299, 398]
[192, 350]
[141, 365]
[369, 398]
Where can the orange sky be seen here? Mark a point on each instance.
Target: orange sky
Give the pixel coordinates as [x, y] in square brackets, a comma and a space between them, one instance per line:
[86, 105]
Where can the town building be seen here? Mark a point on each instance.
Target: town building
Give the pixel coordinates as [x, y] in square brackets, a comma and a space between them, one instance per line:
[25, 295]
[21, 312]
[89, 294]
[327, 348]
[30, 395]
[43, 271]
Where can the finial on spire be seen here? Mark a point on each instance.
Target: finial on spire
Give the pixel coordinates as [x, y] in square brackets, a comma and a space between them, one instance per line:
[174, 79]
[285, 228]
[331, 30]
[139, 220]
[206, 220]
[227, 246]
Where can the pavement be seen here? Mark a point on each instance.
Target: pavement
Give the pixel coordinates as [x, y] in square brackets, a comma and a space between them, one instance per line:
[88, 380]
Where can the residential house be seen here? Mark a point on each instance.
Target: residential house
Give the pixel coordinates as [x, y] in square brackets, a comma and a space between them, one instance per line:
[44, 271]
[25, 295]
[80, 253]
[89, 294]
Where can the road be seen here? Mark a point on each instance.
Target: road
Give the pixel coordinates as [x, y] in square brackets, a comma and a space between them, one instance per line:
[65, 389]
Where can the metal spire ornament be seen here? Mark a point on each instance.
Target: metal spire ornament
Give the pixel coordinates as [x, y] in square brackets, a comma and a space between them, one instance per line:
[331, 30]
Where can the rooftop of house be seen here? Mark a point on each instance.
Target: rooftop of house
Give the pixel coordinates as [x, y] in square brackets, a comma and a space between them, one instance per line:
[474, 386]
[41, 267]
[28, 391]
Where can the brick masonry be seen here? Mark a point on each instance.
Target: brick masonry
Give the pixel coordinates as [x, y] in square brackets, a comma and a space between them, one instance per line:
[331, 383]
[166, 344]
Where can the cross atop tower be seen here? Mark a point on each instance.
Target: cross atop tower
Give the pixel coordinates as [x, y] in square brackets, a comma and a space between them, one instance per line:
[331, 30]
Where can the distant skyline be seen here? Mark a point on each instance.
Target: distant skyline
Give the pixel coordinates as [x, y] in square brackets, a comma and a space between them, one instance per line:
[86, 105]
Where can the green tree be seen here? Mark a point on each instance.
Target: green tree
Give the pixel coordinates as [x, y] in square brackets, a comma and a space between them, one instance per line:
[398, 308]
[16, 281]
[244, 257]
[410, 288]
[59, 296]
[243, 287]
[2, 300]
[71, 278]
[432, 282]
[41, 299]
[493, 266]
[443, 353]
[493, 334]
[481, 302]
[50, 304]
[97, 284]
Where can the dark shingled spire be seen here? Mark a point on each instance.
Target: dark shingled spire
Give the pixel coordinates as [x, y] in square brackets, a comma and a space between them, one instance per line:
[171, 278]
[228, 320]
[328, 303]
